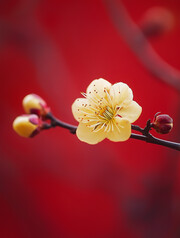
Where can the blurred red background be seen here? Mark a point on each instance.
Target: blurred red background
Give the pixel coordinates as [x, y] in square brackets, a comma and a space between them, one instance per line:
[54, 185]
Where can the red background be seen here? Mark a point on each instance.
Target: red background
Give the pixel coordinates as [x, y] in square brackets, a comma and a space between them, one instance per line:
[54, 185]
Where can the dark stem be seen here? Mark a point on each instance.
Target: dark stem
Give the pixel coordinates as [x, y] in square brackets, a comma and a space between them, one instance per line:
[56, 122]
[145, 130]
[146, 136]
[157, 141]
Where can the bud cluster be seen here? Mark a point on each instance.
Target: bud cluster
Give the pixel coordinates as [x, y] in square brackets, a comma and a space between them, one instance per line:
[30, 124]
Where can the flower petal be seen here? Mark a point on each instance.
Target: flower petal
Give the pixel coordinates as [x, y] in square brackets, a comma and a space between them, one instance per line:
[86, 134]
[121, 130]
[131, 112]
[97, 88]
[121, 94]
[79, 108]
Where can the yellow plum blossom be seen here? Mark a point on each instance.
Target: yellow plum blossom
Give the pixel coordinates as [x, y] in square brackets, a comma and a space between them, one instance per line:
[106, 111]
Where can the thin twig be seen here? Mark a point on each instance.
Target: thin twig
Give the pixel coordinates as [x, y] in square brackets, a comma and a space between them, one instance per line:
[146, 136]
[157, 141]
[56, 122]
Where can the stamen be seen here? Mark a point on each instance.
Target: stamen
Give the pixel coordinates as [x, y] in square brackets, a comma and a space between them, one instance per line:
[103, 124]
[84, 94]
[109, 126]
[110, 100]
[91, 98]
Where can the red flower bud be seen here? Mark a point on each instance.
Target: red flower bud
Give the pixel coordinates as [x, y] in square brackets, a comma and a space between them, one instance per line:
[163, 123]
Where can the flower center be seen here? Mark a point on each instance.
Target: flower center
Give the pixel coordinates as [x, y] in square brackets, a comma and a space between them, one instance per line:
[107, 113]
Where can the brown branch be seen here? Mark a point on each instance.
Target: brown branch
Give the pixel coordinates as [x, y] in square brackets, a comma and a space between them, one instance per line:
[56, 122]
[140, 45]
[146, 136]
[157, 141]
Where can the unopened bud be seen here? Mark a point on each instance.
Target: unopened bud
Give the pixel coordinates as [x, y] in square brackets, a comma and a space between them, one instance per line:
[163, 123]
[27, 125]
[33, 104]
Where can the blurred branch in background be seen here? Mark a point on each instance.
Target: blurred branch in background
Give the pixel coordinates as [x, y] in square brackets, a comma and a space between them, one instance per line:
[140, 45]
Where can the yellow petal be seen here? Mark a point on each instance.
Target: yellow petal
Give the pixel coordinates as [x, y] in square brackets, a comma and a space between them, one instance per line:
[121, 130]
[87, 134]
[131, 112]
[121, 94]
[79, 107]
[97, 88]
